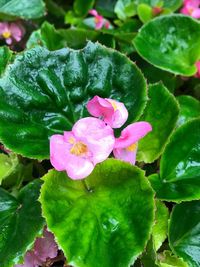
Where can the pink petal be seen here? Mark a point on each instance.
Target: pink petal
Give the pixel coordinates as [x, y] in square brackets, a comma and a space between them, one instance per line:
[45, 247]
[9, 41]
[4, 27]
[120, 116]
[93, 12]
[59, 151]
[98, 136]
[197, 75]
[99, 107]
[113, 112]
[132, 133]
[79, 167]
[125, 155]
[99, 24]
[196, 13]
[16, 31]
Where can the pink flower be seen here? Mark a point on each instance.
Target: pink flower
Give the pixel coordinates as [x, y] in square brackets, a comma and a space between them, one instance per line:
[197, 75]
[157, 10]
[191, 8]
[11, 32]
[44, 248]
[126, 145]
[111, 111]
[77, 152]
[99, 20]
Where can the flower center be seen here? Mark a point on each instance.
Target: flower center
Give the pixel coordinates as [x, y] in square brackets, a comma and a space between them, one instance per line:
[6, 34]
[79, 149]
[131, 148]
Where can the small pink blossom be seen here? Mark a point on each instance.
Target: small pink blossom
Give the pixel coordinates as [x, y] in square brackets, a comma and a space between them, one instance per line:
[113, 113]
[99, 20]
[126, 145]
[157, 10]
[44, 248]
[11, 32]
[197, 75]
[77, 152]
[191, 8]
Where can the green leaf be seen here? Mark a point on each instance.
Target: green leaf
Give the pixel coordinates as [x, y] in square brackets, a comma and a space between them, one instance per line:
[155, 75]
[20, 223]
[82, 7]
[5, 58]
[167, 259]
[53, 39]
[106, 8]
[125, 9]
[144, 12]
[24, 9]
[162, 113]
[104, 220]
[160, 227]
[171, 43]
[43, 93]
[184, 232]
[179, 166]
[8, 165]
[189, 108]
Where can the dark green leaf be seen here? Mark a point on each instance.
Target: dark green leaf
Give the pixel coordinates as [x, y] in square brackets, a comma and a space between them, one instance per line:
[160, 227]
[171, 43]
[5, 57]
[104, 220]
[43, 93]
[179, 177]
[20, 223]
[184, 232]
[189, 109]
[162, 113]
[24, 9]
[82, 7]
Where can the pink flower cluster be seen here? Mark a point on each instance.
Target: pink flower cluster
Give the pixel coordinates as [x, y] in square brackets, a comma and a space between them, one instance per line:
[191, 8]
[44, 248]
[99, 20]
[91, 140]
[11, 32]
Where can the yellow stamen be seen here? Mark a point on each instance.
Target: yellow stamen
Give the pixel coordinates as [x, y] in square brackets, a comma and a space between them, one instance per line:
[71, 140]
[131, 148]
[79, 149]
[114, 105]
[6, 34]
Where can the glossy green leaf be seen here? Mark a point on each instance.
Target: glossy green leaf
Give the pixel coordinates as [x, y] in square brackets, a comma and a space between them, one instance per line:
[82, 7]
[189, 108]
[53, 39]
[43, 93]
[155, 75]
[171, 43]
[5, 57]
[20, 223]
[180, 166]
[105, 8]
[104, 220]
[184, 232]
[125, 9]
[162, 113]
[160, 227]
[8, 164]
[144, 12]
[24, 9]
[167, 259]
